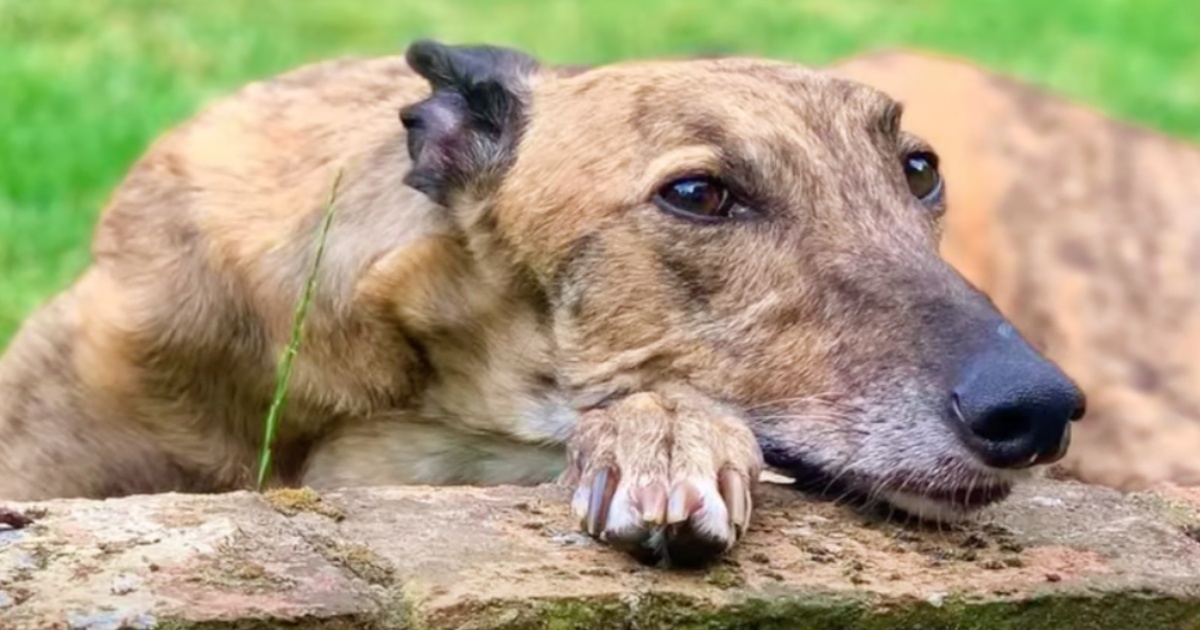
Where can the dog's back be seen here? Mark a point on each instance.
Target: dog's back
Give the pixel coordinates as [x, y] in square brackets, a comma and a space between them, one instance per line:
[199, 259]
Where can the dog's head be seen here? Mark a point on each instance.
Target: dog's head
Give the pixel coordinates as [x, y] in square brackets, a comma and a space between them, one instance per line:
[763, 232]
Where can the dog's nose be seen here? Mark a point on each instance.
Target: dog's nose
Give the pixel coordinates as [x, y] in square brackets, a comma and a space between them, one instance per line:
[1015, 405]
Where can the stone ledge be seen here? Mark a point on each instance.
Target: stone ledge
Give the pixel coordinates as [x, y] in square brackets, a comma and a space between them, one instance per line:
[1057, 554]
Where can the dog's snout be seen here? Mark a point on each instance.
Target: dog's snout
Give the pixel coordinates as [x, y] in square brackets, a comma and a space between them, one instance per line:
[1015, 405]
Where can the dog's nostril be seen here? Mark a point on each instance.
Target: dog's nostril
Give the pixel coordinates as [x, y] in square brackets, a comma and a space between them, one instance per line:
[1080, 407]
[1015, 408]
[994, 423]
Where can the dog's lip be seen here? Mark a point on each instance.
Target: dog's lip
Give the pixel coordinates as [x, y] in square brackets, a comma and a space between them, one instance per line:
[959, 496]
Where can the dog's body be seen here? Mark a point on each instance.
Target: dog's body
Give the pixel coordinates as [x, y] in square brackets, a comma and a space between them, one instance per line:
[634, 266]
[171, 338]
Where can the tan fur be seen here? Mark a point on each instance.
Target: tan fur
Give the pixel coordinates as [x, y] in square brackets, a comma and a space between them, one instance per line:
[199, 260]
[1086, 232]
[463, 344]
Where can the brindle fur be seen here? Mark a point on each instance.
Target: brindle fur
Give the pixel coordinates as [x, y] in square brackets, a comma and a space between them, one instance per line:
[1086, 232]
[461, 342]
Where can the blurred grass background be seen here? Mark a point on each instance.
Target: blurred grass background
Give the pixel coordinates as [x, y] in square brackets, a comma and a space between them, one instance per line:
[86, 84]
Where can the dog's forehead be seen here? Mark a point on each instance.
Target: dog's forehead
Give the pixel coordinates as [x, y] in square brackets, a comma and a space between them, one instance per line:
[733, 73]
[739, 95]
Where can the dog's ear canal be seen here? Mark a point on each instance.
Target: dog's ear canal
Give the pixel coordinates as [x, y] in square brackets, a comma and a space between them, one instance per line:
[463, 136]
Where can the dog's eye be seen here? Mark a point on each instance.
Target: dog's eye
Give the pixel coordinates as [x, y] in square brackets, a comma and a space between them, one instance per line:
[699, 198]
[923, 179]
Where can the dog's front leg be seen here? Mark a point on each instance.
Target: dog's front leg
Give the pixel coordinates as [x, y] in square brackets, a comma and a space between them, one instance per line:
[665, 475]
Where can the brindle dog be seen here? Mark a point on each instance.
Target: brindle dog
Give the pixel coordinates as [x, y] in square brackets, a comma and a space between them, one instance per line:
[643, 266]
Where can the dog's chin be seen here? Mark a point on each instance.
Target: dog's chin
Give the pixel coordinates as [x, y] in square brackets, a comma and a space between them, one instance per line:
[935, 500]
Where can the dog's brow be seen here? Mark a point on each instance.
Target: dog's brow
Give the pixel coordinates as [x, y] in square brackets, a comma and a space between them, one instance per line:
[889, 118]
[696, 157]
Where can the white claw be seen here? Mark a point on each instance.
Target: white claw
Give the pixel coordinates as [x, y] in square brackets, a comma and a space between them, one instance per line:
[579, 503]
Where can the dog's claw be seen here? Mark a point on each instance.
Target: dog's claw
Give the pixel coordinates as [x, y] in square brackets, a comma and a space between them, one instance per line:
[737, 497]
[579, 505]
[653, 501]
[603, 487]
[685, 500]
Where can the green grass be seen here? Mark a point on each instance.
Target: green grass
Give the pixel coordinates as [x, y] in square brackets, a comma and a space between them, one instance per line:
[283, 374]
[86, 84]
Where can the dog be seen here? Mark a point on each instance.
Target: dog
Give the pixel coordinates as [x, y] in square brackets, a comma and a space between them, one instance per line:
[648, 280]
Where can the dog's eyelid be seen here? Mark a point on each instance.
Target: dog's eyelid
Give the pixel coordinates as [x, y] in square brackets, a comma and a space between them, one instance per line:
[910, 144]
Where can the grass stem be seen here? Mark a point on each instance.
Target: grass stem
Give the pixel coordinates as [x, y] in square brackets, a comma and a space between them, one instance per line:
[284, 372]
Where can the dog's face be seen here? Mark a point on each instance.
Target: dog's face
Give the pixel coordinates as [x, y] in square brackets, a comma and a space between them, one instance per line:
[762, 232]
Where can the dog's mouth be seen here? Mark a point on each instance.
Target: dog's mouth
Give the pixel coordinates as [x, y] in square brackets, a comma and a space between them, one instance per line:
[911, 494]
[944, 503]
[963, 497]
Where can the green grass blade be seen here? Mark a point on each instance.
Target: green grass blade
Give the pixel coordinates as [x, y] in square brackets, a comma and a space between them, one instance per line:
[284, 373]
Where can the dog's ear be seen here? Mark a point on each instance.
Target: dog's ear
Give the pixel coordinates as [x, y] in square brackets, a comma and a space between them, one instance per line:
[464, 134]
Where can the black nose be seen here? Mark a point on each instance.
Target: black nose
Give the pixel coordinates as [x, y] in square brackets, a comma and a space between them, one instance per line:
[1015, 405]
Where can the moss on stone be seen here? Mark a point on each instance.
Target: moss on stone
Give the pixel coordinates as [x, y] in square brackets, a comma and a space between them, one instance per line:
[725, 577]
[231, 571]
[825, 611]
[292, 501]
[362, 561]
[812, 611]
[312, 623]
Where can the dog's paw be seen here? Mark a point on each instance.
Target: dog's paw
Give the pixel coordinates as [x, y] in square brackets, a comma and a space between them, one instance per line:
[665, 477]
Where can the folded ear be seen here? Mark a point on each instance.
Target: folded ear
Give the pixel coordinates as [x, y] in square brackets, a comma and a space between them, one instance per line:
[464, 134]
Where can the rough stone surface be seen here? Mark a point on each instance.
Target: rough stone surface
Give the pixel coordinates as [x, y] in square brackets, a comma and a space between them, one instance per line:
[1058, 554]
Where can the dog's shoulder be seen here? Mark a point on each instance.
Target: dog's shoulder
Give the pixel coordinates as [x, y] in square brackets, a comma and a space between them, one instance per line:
[243, 183]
